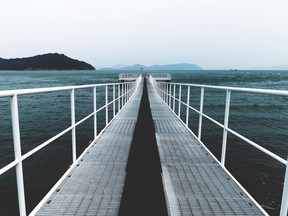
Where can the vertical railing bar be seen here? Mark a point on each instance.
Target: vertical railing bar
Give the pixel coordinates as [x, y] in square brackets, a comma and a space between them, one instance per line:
[174, 93]
[226, 121]
[163, 91]
[119, 99]
[106, 105]
[72, 96]
[95, 109]
[284, 202]
[113, 101]
[201, 113]
[164, 96]
[188, 103]
[170, 92]
[129, 92]
[179, 102]
[122, 97]
[17, 152]
[126, 93]
[167, 96]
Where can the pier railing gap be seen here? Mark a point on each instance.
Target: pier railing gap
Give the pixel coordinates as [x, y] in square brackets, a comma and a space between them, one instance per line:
[120, 94]
[172, 93]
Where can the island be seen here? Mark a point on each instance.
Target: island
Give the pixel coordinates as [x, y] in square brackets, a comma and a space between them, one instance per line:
[50, 61]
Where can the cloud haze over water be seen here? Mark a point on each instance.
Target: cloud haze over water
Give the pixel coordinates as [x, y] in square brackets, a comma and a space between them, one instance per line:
[213, 34]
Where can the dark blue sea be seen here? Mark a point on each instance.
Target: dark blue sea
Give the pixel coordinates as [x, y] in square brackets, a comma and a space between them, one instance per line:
[261, 118]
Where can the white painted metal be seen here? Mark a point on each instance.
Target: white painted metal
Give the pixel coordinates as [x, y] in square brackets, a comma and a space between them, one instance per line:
[122, 98]
[95, 109]
[226, 121]
[9, 166]
[106, 104]
[17, 163]
[284, 203]
[174, 93]
[73, 125]
[36, 209]
[114, 111]
[225, 127]
[263, 91]
[201, 113]
[8, 93]
[170, 92]
[188, 102]
[17, 152]
[179, 103]
[164, 128]
[119, 98]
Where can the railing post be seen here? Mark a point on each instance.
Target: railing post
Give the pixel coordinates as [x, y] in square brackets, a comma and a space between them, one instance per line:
[170, 95]
[72, 95]
[166, 91]
[106, 103]
[284, 202]
[163, 91]
[113, 101]
[174, 93]
[126, 93]
[201, 113]
[226, 120]
[122, 95]
[119, 99]
[188, 103]
[95, 109]
[17, 152]
[179, 104]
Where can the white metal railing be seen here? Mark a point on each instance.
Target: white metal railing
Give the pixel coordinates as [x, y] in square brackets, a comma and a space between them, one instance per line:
[132, 76]
[120, 94]
[161, 76]
[124, 77]
[129, 75]
[167, 91]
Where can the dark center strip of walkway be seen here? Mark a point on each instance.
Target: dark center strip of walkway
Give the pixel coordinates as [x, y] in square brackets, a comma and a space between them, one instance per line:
[143, 190]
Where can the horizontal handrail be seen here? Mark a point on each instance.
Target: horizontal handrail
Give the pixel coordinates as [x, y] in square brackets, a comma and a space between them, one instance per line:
[167, 91]
[7, 93]
[247, 90]
[271, 154]
[121, 95]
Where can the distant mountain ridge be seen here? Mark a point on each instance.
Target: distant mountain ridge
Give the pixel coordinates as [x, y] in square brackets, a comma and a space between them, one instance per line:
[278, 67]
[50, 61]
[183, 66]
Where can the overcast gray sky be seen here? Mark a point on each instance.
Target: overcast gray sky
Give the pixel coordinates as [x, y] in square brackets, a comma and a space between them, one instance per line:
[215, 34]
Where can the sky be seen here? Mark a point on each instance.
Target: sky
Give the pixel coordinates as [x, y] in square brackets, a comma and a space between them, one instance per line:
[214, 34]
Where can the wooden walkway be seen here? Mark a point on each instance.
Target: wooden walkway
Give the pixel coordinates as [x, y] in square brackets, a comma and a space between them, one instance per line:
[194, 183]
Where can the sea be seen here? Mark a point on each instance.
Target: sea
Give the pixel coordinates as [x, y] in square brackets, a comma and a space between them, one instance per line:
[261, 118]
